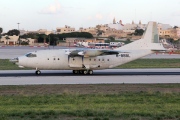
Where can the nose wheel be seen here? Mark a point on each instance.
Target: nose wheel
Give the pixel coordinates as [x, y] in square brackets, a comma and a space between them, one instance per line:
[38, 72]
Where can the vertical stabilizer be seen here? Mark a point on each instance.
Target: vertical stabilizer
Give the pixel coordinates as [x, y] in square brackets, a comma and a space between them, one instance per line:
[151, 33]
[149, 40]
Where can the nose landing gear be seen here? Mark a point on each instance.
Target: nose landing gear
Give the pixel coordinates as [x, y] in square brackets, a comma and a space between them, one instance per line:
[38, 72]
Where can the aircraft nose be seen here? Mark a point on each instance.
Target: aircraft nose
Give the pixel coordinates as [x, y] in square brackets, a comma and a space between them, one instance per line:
[14, 60]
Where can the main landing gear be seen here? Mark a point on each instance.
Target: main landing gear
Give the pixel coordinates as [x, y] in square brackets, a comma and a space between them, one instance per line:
[38, 72]
[85, 72]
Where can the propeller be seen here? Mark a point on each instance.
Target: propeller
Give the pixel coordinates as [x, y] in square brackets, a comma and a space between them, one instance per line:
[68, 58]
[82, 53]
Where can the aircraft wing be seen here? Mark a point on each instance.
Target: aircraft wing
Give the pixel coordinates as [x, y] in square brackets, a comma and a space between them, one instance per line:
[93, 53]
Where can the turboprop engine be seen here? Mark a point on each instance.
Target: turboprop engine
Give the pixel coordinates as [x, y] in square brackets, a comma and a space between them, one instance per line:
[92, 53]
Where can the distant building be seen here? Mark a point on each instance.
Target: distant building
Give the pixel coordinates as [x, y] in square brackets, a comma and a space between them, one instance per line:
[178, 32]
[104, 27]
[66, 29]
[117, 26]
[82, 41]
[113, 29]
[29, 41]
[22, 32]
[44, 31]
[89, 40]
[10, 40]
[40, 31]
[132, 27]
[91, 30]
[164, 30]
[111, 32]
[163, 26]
[171, 32]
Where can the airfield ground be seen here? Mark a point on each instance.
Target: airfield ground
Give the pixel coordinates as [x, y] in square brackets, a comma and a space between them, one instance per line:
[91, 102]
[81, 89]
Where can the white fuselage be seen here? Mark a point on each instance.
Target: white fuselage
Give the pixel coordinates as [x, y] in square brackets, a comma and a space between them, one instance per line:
[58, 60]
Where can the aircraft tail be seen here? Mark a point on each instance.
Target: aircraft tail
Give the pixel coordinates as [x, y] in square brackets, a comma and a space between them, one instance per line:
[151, 33]
[149, 40]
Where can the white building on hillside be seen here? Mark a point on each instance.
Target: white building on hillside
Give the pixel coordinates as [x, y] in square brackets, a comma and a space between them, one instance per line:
[66, 29]
[133, 26]
[117, 26]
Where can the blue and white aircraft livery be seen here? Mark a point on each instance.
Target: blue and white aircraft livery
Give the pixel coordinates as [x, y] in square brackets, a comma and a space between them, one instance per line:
[84, 61]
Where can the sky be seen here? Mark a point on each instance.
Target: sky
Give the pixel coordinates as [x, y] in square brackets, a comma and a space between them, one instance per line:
[50, 14]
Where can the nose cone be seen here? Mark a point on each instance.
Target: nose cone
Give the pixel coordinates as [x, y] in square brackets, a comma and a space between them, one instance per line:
[14, 60]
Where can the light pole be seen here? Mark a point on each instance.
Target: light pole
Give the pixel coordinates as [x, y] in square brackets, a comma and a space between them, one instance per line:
[18, 25]
[19, 34]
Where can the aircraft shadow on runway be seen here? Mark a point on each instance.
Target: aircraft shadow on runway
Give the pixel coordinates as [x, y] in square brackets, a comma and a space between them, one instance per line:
[95, 74]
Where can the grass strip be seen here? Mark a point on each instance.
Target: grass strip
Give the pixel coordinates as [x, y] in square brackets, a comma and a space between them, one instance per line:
[153, 105]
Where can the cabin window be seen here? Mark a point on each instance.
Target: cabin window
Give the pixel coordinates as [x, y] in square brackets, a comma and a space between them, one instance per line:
[58, 58]
[89, 59]
[48, 59]
[102, 59]
[54, 58]
[31, 55]
[94, 59]
[99, 60]
[107, 59]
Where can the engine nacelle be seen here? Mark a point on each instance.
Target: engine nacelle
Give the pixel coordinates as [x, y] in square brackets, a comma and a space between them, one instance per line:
[92, 53]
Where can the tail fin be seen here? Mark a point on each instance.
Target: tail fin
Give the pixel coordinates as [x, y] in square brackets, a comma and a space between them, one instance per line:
[151, 33]
[149, 40]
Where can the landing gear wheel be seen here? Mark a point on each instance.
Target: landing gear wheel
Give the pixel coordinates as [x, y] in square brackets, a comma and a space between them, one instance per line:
[81, 71]
[90, 72]
[38, 72]
[85, 72]
[75, 71]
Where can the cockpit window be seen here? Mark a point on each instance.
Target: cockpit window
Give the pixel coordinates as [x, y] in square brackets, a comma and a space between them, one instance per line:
[31, 55]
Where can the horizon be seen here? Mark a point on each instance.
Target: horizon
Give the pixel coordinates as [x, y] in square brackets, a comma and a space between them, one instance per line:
[50, 14]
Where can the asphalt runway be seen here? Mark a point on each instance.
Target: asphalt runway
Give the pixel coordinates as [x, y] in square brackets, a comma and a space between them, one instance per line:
[109, 76]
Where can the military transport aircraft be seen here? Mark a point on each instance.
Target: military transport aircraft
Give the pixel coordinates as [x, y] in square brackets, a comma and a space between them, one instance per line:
[84, 61]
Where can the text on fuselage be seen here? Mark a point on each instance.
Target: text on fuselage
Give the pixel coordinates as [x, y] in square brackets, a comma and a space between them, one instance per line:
[123, 55]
